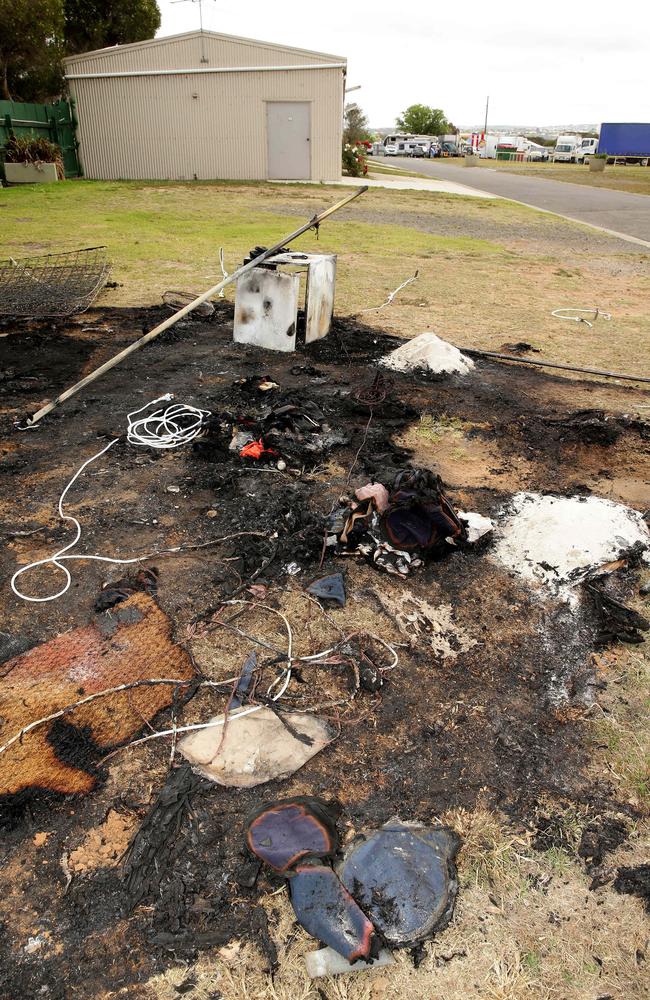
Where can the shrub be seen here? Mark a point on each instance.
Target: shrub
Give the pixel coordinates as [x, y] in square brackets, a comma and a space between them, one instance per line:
[26, 149]
[355, 161]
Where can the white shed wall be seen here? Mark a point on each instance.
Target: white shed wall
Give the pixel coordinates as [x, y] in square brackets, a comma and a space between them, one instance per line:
[203, 125]
[155, 126]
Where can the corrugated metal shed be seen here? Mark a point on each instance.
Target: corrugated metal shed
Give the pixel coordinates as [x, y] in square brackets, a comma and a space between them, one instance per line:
[203, 105]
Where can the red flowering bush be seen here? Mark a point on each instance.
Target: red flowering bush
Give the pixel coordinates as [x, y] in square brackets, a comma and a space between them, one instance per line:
[355, 160]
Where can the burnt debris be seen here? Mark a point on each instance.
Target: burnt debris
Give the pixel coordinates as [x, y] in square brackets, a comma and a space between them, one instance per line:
[395, 886]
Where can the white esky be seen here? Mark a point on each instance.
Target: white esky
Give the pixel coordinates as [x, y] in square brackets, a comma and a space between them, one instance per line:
[548, 63]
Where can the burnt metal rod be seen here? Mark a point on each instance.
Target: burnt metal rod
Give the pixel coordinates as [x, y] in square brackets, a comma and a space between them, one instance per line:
[551, 364]
[315, 221]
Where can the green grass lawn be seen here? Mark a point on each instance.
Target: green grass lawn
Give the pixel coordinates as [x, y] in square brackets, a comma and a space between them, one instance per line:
[490, 271]
[158, 232]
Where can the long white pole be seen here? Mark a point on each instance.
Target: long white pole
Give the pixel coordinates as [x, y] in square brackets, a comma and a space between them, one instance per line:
[165, 325]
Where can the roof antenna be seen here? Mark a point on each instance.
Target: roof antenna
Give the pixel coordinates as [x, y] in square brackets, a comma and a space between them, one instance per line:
[204, 58]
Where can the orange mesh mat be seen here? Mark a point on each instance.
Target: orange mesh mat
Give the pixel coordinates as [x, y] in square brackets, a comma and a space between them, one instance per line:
[131, 642]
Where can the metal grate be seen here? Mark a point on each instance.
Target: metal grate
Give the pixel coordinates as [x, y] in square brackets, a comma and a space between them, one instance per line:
[55, 284]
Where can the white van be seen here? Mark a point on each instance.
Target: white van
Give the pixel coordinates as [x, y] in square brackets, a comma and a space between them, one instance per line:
[566, 148]
[586, 149]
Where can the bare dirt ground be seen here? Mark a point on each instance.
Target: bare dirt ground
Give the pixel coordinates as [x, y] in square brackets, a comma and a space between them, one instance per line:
[529, 741]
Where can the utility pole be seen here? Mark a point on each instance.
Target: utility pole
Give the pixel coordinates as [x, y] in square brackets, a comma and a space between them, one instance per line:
[487, 105]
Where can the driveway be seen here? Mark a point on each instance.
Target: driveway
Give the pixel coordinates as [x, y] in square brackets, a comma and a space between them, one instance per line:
[397, 182]
[616, 211]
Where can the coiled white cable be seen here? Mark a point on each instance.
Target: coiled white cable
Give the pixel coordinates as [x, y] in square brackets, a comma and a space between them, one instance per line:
[169, 428]
[574, 314]
[165, 428]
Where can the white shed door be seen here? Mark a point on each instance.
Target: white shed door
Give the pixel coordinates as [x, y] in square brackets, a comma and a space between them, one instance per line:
[288, 128]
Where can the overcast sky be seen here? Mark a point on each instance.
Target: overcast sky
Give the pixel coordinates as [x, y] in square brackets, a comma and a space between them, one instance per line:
[548, 63]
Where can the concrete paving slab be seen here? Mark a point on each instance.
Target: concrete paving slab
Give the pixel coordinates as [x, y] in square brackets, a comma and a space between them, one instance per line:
[418, 184]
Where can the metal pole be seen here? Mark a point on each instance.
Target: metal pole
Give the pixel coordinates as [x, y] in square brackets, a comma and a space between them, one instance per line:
[552, 364]
[165, 325]
[487, 104]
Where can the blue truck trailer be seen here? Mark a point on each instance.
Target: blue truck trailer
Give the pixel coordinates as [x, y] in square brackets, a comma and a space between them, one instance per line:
[628, 141]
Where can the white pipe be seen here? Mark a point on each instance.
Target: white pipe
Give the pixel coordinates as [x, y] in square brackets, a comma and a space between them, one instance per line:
[204, 69]
[243, 269]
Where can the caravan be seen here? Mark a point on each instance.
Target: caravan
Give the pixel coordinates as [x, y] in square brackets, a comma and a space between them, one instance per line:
[407, 145]
[567, 149]
[587, 148]
[394, 144]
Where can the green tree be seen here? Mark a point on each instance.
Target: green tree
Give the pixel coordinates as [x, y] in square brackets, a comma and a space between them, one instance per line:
[420, 119]
[96, 24]
[36, 34]
[31, 45]
[355, 125]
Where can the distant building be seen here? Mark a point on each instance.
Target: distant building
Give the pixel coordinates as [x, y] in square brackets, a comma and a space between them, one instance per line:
[203, 105]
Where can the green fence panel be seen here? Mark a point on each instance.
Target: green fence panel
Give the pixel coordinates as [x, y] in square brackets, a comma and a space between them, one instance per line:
[56, 122]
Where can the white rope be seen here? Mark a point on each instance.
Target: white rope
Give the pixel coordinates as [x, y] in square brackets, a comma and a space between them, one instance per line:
[223, 270]
[391, 295]
[575, 315]
[283, 679]
[165, 428]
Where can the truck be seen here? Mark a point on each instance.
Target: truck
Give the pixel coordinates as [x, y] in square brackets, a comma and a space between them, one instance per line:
[626, 141]
[449, 145]
[566, 148]
[487, 148]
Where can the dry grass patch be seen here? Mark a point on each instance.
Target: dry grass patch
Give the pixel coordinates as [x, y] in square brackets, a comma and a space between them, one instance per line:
[634, 179]
[619, 726]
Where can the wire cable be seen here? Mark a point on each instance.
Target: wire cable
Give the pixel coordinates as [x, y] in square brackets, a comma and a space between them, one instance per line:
[166, 428]
[575, 314]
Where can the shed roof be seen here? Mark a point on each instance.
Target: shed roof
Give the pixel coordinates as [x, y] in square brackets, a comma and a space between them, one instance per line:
[113, 51]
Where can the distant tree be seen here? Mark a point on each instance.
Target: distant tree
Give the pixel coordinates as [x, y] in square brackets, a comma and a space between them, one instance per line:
[31, 45]
[96, 24]
[420, 119]
[355, 125]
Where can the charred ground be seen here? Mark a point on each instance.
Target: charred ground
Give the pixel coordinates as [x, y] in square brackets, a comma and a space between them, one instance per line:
[502, 719]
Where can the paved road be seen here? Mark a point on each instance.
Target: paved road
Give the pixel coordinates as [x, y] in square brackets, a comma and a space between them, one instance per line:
[617, 211]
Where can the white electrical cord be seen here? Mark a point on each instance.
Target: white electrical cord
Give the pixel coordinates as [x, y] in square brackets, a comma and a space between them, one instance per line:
[391, 295]
[223, 269]
[169, 428]
[166, 428]
[574, 314]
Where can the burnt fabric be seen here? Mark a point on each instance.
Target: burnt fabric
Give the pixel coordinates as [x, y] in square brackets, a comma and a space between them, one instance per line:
[419, 514]
[328, 912]
[130, 642]
[329, 588]
[285, 832]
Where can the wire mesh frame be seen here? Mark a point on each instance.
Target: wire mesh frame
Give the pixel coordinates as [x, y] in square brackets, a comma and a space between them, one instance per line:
[52, 285]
